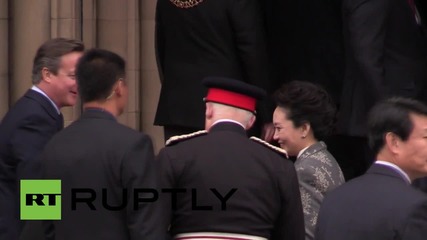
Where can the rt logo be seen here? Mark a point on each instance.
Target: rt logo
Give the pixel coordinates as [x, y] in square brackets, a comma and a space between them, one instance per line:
[40, 199]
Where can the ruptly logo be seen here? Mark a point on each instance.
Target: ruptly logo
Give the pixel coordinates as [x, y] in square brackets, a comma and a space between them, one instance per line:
[40, 199]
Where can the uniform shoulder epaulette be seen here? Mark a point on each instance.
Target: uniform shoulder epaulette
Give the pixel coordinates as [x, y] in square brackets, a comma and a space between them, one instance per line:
[179, 138]
[276, 149]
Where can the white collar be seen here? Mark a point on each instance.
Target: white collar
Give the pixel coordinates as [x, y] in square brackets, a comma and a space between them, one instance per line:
[395, 167]
[300, 152]
[35, 88]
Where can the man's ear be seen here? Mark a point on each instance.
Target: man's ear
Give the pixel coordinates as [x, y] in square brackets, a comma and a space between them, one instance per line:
[209, 111]
[251, 122]
[46, 75]
[119, 88]
[392, 142]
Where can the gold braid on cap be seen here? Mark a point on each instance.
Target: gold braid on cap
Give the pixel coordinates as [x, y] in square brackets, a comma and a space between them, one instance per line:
[186, 3]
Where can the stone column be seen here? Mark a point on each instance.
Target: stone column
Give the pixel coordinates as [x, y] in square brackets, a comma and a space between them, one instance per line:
[65, 18]
[114, 32]
[66, 22]
[30, 27]
[4, 61]
[89, 23]
[133, 64]
[150, 84]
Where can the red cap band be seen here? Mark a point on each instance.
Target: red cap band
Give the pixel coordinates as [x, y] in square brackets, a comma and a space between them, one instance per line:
[231, 98]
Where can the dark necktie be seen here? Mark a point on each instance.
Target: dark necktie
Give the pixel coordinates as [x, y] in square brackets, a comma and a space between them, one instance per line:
[414, 11]
[60, 122]
[412, 5]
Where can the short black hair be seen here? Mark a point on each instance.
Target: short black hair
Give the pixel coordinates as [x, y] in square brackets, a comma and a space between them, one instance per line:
[305, 102]
[392, 115]
[97, 72]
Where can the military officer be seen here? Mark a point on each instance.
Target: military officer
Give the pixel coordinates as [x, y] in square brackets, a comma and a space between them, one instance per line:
[219, 184]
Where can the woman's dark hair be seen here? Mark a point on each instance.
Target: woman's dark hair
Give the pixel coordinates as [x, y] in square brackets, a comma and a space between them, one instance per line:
[305, 102]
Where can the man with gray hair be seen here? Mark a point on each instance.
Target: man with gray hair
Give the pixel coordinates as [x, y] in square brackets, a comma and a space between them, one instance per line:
[218, 184]
[32, 121]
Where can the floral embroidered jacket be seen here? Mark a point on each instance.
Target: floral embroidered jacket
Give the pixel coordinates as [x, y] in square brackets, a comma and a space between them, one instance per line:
[318, 173]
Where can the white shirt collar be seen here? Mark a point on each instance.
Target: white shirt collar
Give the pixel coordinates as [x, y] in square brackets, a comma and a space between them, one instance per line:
[35, 88]
[228, 120]
[395, 167]
[300, 152]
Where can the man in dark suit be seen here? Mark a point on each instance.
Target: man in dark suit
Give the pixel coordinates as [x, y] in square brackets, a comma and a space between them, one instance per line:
[381, 204]
[386, 55]
[108, 158]
[31, 122]
[196, 39]
[305, 42]
[226, 185]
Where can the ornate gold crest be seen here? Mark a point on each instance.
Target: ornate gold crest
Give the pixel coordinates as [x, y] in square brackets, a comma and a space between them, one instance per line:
[186, 3]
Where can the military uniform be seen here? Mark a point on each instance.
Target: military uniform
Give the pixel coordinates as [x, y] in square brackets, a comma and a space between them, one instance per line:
[218, 184]
[266, 202]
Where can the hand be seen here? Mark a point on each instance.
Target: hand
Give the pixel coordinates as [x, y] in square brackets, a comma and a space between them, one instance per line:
[267, 132]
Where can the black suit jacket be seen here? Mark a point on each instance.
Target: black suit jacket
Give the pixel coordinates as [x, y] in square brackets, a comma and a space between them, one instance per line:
[267, 201]
[386, 55]
[379, 205]
[305, 42]
[24, 131]
[222, 38]
[420, 183]
[97, 153]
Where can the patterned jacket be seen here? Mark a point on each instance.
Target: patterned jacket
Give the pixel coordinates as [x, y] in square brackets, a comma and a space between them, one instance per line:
[318, 173]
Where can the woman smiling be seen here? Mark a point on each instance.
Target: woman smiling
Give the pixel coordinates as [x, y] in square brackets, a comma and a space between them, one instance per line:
[303, 117]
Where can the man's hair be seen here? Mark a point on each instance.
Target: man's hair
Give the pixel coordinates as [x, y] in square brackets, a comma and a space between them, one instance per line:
[49, 55]
[97, 72]
[305, 102]
[392, 116]
[223, 111]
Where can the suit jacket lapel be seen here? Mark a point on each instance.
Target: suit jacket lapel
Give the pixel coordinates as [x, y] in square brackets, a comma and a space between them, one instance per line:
[44, 102]
[47, 106]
